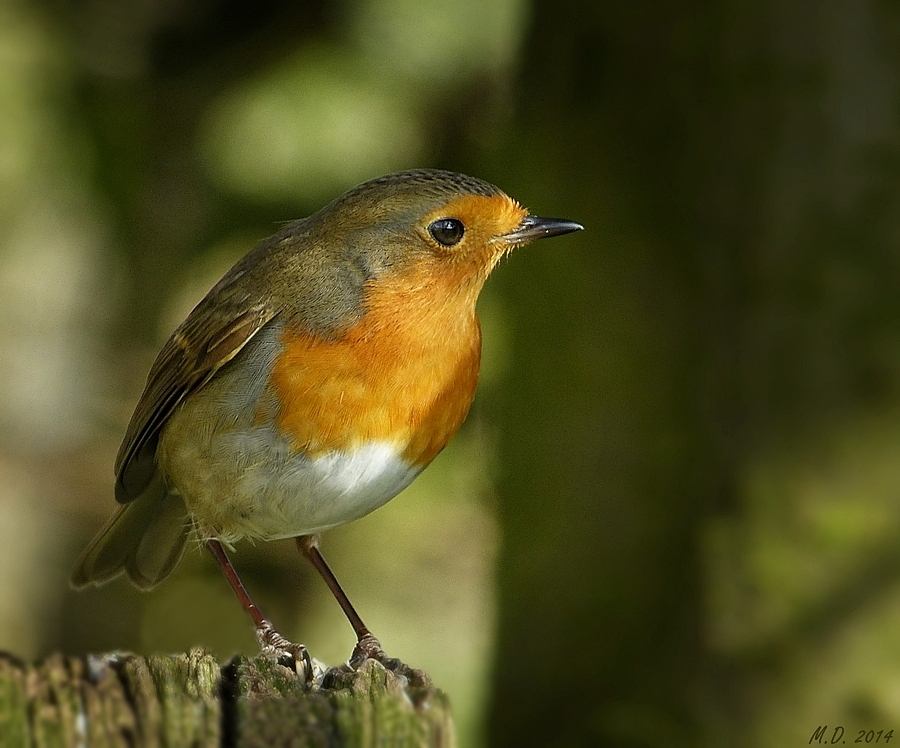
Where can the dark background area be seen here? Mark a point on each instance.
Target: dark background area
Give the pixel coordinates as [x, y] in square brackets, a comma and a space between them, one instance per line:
[672, 518]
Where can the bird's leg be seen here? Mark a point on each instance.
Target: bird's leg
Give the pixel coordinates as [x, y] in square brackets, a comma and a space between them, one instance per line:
[271, 643]
[367, 646]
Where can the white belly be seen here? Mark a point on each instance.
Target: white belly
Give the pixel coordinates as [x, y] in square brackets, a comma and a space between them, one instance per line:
[259, 490]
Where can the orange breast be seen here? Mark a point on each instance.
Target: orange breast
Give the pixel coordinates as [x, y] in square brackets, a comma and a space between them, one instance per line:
[405, 374]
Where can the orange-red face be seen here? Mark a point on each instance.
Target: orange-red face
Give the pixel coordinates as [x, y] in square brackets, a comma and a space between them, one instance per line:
[469, 230]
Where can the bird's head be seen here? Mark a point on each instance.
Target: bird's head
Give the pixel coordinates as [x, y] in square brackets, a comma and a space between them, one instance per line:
[450, 222]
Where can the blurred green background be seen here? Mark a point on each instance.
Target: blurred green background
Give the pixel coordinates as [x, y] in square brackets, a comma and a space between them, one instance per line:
[673, 517]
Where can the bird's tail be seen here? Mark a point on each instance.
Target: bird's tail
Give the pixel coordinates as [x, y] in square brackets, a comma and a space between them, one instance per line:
[144, 539]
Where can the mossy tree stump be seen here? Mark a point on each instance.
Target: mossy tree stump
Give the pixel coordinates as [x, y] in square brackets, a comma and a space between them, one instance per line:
[191, 700]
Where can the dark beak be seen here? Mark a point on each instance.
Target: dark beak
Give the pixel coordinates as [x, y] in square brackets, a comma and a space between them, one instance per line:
[533, 227]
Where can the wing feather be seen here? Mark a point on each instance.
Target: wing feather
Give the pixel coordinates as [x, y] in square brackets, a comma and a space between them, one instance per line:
[207, 340]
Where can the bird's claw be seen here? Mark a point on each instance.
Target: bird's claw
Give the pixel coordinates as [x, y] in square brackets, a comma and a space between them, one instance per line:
[367, 648]
[287, 653]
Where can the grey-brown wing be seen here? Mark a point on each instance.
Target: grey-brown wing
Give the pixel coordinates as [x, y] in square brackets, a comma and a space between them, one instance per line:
[200, 346]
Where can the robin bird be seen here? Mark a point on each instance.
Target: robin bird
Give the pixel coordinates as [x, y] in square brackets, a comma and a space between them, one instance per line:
[313, 383]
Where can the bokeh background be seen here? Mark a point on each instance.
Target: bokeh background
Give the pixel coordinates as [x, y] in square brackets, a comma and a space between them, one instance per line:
[673, 517]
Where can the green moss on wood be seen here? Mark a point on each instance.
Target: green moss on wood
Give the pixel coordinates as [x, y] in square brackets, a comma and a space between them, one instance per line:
[190, 700]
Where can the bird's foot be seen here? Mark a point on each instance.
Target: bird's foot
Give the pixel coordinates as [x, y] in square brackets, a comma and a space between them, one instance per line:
[369, 648]
[292, 656]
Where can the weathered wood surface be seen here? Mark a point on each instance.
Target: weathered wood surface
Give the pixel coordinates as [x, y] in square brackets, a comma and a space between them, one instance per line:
[191, 700]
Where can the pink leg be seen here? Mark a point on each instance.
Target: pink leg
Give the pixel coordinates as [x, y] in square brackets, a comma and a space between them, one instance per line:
[270, 641]
[367, 646]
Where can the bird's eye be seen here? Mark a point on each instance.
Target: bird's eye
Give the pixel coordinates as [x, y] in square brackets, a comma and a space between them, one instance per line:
[447, 231]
